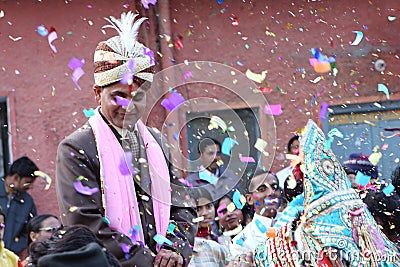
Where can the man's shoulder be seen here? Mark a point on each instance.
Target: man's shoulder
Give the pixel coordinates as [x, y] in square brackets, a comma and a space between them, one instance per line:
[226, 172]
[83, 135]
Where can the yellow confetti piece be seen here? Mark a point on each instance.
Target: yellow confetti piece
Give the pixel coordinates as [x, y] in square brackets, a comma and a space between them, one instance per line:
[268, 33]
[198, 219]
[216, 122]
[45, 177]
[258, 78]
[260, 145]
[73, 208]
[369, 123]
[375, 157]
[231, 207]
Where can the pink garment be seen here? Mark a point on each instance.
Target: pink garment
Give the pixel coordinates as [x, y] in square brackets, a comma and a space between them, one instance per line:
[118, 190]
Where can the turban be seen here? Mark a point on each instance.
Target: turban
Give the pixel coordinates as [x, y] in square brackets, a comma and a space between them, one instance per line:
[122, 54]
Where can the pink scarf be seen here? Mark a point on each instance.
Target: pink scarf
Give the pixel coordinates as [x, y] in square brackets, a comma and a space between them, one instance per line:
[118, 194]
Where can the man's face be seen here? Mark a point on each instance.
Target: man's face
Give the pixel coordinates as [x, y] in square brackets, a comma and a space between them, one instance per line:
[266, 199]
[24, 184]
[210, 156]
[115, 113]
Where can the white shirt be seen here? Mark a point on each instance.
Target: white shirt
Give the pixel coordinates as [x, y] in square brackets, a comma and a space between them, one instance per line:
[253, 234]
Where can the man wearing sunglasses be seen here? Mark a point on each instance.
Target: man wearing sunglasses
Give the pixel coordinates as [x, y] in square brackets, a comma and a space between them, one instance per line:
[17, 204]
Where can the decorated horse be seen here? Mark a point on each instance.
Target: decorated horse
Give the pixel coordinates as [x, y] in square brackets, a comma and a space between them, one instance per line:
[335, 229]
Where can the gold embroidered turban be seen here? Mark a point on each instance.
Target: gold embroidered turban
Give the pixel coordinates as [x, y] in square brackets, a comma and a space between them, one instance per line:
[123, 54]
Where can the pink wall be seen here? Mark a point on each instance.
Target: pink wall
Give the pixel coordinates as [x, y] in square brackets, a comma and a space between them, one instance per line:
[43, 115]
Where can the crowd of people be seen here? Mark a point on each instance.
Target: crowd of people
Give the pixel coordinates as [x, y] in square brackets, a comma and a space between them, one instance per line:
[123, 204]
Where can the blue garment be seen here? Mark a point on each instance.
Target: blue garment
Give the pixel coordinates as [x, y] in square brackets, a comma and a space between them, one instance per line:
[292, 210]
[18, 210]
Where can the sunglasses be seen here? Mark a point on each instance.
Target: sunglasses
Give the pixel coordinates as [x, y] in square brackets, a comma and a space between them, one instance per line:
[2, 226]
[51, 229]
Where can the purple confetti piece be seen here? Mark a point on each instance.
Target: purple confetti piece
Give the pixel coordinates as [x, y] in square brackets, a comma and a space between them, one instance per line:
[125, 248]
[75, 63]
[76, 75]
[173, 101]
[323, 111]
[127, 78]
[84, 190]
[122, 101]
[176, 136]
[125, 167]
[135, 231]
[150, 53]
[146, 3]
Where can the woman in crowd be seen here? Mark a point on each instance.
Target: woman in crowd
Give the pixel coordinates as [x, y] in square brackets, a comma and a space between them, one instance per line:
[40, 228]
[75, 246]
[233, 214]
[206, 250]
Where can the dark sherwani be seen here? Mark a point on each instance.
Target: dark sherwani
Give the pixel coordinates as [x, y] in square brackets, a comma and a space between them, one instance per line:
[18, 210]
[77, 156]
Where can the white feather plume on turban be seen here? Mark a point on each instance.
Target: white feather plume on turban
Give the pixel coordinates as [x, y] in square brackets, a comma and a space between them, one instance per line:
[111, 57]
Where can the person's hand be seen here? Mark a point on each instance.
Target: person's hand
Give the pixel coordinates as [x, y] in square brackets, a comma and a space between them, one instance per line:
[244, 260]
[168, 258]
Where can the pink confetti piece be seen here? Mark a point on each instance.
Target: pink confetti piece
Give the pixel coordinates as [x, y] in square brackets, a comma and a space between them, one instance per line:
[84, 190]
[185, 182]
[220, 209]
[51, 37]
[122, 101]
[273, 109]
[246, 159]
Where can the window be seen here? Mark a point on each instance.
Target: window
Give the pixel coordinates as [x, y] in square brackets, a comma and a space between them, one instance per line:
[242, 119]
[365, 126]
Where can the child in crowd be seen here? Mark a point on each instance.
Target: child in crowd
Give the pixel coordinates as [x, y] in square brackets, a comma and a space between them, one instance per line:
[264, 195]
[7, 257]
[207, 251]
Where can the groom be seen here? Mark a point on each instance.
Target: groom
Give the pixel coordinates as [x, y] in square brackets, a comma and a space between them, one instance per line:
[112, 174]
